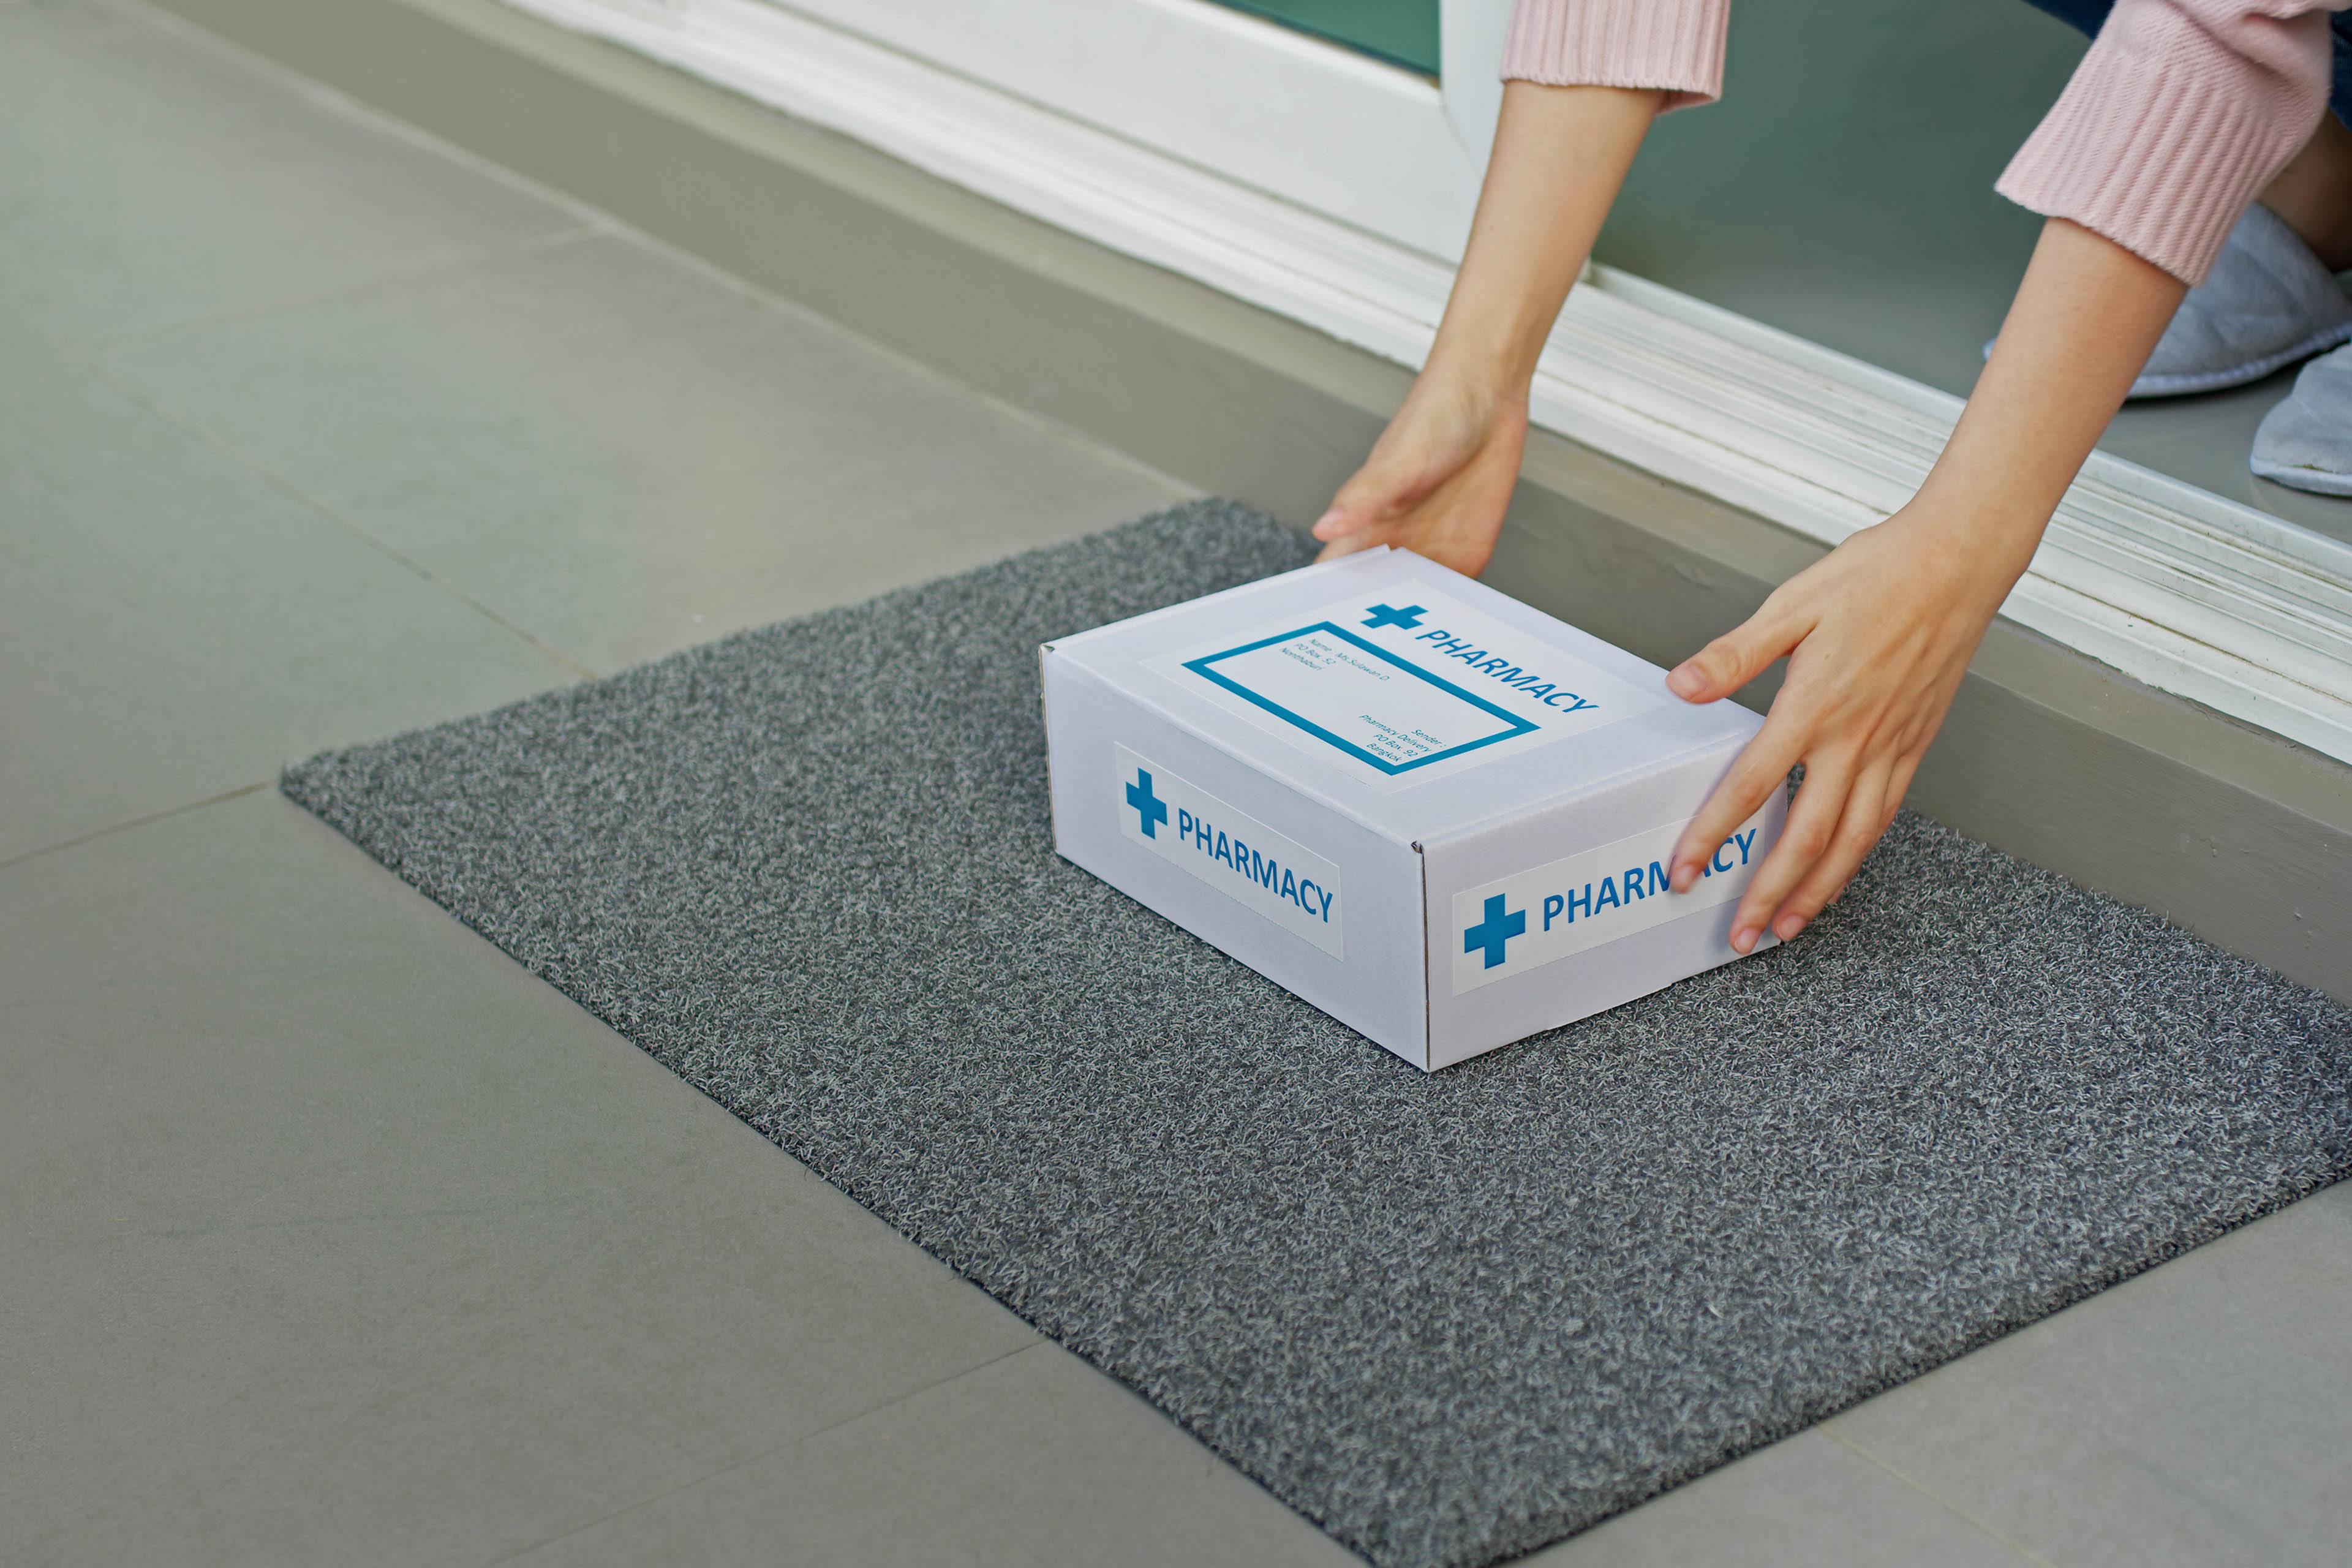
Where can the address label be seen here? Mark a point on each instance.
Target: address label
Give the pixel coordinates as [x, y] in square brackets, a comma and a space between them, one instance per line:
[1406, 685]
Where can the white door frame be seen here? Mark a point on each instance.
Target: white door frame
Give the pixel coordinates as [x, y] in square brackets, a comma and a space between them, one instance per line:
[2176, 587]
[1340, 133]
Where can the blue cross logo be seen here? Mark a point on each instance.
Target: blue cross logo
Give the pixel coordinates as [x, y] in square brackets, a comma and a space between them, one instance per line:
[1390, 616]
[1154, 810]
[1495, 930]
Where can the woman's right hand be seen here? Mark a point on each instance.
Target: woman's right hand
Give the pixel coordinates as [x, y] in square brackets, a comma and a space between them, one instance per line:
[1439, 478]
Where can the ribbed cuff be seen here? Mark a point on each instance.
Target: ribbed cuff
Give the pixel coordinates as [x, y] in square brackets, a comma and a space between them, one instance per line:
[1676, 45]
[2159, 142]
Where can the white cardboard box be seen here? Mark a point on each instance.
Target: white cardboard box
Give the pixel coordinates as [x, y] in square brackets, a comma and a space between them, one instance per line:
[1439, 816]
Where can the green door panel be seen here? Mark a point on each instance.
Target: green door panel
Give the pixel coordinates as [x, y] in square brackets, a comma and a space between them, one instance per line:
[1402, 32]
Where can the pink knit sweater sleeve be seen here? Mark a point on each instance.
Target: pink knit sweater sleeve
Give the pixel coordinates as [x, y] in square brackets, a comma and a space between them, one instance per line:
[2180, 113]
[1673, 44]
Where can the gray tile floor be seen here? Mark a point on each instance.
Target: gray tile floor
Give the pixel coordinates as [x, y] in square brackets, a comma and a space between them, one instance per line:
[328, 1234]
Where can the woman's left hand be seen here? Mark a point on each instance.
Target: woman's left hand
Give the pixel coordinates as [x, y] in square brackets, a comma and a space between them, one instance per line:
[1877, 635]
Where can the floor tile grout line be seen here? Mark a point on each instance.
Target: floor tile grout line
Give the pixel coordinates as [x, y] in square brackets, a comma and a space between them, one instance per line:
[585, 223]
[1037, 1343]
[808, 315]
[233, 453]
[381, 120]
[608, 224]
[1829, 1429]
[154, 816]
[421, 271]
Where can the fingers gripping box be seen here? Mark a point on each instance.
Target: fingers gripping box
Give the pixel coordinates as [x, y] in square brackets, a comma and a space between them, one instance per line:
[1441, 816]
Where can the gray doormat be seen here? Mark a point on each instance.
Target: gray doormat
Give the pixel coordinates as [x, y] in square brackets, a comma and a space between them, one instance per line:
[1450, 1317]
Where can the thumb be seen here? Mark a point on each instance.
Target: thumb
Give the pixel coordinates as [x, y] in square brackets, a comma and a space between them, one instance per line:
[1733, 660]
[1403, 470]
[1343, 543]
[1373, 495]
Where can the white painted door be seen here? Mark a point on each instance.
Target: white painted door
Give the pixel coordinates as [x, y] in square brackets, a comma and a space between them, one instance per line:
[1373, 144]
[1376, 146]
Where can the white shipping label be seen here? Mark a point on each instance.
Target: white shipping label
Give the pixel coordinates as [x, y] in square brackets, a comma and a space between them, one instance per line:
[1405, 685]
[1237, 854]
[1538, 917]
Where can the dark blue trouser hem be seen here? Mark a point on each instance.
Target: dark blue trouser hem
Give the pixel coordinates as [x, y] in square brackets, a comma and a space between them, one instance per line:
[2086, 17]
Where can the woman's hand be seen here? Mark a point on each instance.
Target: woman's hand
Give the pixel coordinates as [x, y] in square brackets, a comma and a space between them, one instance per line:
[1439, 478]
[1877, 635]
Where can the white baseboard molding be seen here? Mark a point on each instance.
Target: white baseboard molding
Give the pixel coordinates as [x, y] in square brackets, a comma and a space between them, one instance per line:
[2176, 587]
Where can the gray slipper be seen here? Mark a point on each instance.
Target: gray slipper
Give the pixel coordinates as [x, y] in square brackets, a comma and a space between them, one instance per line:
[2269, 302]
[2307, 441]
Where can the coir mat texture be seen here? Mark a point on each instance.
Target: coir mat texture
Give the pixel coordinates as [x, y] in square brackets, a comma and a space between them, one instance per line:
[1449, 1318]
